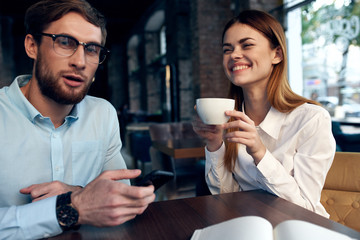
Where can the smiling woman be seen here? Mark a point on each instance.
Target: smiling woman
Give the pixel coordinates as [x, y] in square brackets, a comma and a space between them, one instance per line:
[275, 140]
[248, 57]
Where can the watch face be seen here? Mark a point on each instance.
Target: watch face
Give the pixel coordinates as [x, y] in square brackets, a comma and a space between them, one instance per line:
[67, 216]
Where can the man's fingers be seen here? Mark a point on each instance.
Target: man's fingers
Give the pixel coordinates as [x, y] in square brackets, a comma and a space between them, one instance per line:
[29, 189]
[140, 194]
[120, 174]
[26, 190]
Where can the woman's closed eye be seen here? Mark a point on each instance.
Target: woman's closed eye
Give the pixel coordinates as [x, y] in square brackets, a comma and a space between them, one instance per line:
[227, 50]
[247, 45]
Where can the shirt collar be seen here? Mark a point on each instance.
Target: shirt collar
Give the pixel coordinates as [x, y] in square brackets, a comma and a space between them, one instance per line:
[18, 98]
[20, 101]
[272, 122]
[74, 114]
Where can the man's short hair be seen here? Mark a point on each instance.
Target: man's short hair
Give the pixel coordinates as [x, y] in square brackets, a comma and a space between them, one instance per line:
[42, 13]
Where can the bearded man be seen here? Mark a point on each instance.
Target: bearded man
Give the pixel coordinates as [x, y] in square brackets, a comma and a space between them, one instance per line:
[60, 157]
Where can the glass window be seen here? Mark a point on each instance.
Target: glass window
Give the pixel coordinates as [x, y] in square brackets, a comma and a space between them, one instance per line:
[326, 67]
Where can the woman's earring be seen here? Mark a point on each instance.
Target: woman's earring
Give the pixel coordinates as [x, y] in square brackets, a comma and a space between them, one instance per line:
[93, 80]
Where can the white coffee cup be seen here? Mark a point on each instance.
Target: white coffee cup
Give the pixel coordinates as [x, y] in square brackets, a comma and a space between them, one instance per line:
[212, 110]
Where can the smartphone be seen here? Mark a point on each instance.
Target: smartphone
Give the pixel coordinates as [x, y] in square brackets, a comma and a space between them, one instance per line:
[156, 178]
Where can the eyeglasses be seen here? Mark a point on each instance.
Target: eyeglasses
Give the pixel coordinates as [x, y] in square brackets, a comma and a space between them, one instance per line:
[66, 46]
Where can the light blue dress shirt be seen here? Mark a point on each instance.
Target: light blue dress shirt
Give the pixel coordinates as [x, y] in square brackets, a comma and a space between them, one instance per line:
[33, 151]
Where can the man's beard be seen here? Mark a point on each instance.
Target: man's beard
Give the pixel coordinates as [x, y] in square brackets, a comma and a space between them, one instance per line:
[50, 87]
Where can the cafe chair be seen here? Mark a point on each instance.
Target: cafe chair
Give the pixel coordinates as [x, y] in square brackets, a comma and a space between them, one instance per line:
[341, 193]
[140, 145]
[345, 142]
[186, 171]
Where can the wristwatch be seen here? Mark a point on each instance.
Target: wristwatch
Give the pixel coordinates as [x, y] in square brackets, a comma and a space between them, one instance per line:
[67, 216]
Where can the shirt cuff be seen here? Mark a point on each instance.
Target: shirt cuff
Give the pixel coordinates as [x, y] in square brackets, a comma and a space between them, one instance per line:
[215, 159]
[268, 165]
[38, 219]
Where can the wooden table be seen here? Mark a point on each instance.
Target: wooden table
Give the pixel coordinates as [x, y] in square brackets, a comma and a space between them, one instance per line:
[182, 148]
[178, 219]
[144, 126]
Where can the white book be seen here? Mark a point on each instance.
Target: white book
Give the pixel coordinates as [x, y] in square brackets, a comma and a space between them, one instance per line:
[255, 228]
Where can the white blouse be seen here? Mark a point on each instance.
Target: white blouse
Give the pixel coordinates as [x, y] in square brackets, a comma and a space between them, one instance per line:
[300, 150]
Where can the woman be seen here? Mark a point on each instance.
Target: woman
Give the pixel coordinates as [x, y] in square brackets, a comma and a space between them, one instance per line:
[275, 140]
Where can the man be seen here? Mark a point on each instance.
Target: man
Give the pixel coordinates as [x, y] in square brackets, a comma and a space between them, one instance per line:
[60, 149]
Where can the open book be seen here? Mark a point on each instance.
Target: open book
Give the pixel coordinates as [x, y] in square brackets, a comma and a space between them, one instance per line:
[255, 228]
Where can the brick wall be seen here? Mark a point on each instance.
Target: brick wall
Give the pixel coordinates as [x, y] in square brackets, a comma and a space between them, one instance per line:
[208, 18]
[265, 5]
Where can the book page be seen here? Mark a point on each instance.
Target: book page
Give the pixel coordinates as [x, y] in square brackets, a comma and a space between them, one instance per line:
[300, 230]
[248, 227]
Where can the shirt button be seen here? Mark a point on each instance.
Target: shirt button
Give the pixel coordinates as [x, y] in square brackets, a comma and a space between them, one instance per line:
[57, 169]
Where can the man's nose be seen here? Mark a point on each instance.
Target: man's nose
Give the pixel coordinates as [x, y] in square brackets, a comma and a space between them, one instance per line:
[78, 59]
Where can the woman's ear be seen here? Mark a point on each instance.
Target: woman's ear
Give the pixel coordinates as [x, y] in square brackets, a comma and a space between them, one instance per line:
[31, 47]
[278, 55]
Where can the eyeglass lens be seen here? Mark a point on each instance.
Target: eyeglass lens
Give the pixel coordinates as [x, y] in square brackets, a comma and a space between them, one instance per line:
[66, 46]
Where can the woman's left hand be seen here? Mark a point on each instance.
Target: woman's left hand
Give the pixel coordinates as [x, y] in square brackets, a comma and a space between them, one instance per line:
[245, 133]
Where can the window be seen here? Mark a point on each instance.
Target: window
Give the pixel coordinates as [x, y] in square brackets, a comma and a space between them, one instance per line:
[163, 41]
[326, 66]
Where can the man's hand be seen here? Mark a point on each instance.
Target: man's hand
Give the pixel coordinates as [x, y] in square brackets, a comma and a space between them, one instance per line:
[106, 202]
[49, 189]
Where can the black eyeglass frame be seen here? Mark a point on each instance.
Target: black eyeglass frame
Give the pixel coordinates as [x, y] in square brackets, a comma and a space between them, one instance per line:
[103, 50]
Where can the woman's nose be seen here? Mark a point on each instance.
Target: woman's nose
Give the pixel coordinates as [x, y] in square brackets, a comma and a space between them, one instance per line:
[237, 54]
